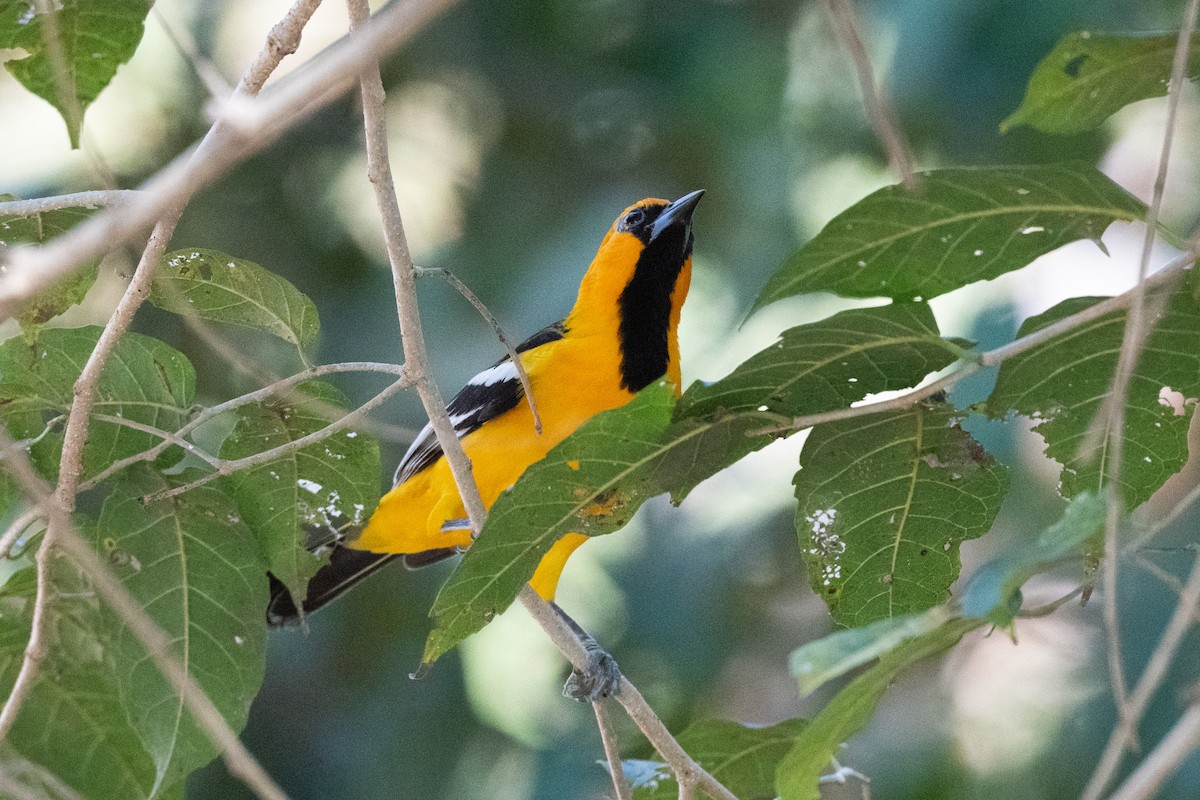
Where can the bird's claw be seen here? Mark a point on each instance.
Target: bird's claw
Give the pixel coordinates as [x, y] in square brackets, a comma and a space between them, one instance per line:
[600, 679]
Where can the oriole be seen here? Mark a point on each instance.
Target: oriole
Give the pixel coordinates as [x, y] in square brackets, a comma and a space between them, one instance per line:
[620, 336]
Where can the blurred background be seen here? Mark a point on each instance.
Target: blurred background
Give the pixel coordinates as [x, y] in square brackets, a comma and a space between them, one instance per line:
[519, 130]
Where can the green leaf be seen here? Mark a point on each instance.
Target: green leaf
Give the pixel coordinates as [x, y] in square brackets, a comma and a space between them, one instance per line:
[991, 591]
[195, 569]
[58, 297]
[330, 484]
[813, 368]
[590, 483]
[742, 757]
[221, 288]
[73, 724]
[1089, 76]
[143, 381]
[884, 501]
[956, 227]
[817, 744]
[96, 38]
[1063, 382]
[820, 661]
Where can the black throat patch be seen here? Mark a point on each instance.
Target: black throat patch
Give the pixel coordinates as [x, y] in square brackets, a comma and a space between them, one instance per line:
[645, 309]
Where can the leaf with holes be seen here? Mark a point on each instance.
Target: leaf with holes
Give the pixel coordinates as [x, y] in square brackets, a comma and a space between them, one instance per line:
[94, 39]
[1089, 76]
[57, 298]
[956, 227]
[591, 483]
[884, 502]
[221, 288]
[195, 569]
[145, 382]
[814, 368]
[327, 485]
[742, 757]
[1063, 382]
[818, 743]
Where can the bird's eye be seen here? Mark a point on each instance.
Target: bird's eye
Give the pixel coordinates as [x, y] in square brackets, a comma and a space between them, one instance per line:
[632, 220]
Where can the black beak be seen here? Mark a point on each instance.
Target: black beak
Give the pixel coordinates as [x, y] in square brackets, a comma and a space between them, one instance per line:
[677, 214]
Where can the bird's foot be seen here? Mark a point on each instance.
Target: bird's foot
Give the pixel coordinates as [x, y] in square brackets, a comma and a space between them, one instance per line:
[600, 678]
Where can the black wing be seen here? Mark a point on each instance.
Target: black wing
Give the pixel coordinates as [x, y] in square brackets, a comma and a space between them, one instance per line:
[486, 396]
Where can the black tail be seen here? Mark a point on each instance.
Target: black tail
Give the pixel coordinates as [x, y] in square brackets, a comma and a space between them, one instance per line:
[346, 568]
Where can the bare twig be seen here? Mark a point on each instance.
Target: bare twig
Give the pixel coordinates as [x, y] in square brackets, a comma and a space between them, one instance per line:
[168, 436]
[214, 82]
[1181, 621]
[228, 467]
[880, 112]
[18, 527]
[403, 273]
[259, 395]
[608, 737]
[1164, 759]
[687, 772]
[1109, 422]
[249, 126]
[1170, 272]
[513, 356]
[89, 199]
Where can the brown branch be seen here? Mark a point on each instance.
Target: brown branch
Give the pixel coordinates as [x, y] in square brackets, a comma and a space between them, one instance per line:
[608, 738]
[228, 467]
[259, 395]
[1170, 272]
[89, 199]
[1109, 423]
[879, 111]
[1164, 759]
[247, 126]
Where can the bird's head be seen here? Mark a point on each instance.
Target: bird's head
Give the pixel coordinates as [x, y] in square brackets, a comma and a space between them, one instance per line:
[638, 281]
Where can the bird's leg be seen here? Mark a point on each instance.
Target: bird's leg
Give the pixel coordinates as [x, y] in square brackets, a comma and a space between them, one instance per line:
[601, 677]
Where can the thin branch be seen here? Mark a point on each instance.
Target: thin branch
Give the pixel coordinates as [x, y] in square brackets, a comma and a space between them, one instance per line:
[247, 126]
[14, 531]
[167, 436]
[688, 773]
[259, 395]
[89, 199]
[608, 737]
[1181, 621]
[880, 112]
[416, 358]
[228, 467]
[1164, 759]
[513, 356]
[1171, 271]
[1109, 422]
[214, 82]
